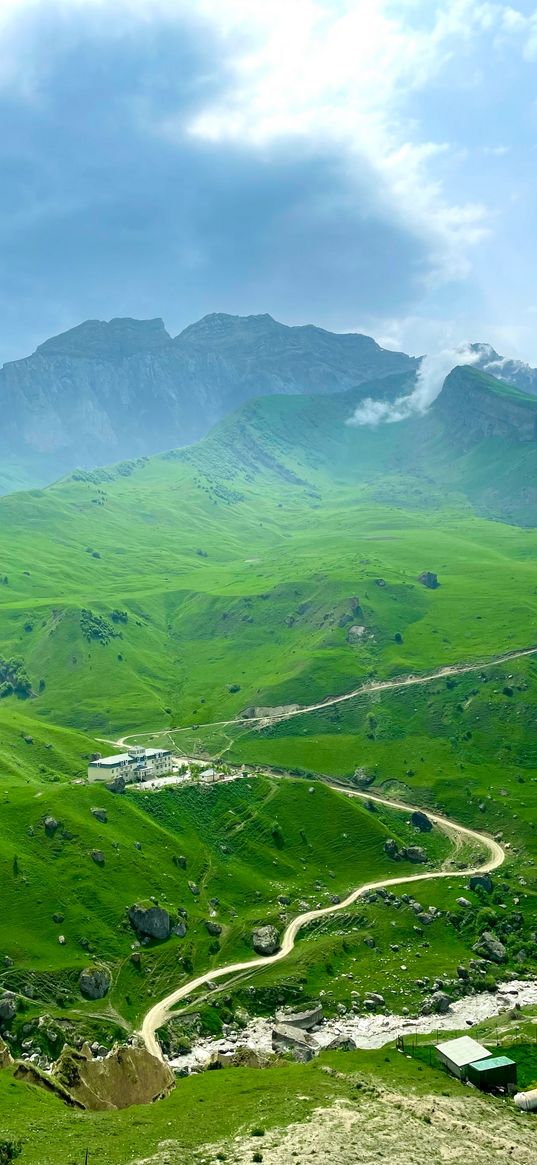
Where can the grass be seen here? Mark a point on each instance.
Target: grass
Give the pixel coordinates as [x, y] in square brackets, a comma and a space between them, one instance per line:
[244, 844]
[183, 589]
[235, 1101]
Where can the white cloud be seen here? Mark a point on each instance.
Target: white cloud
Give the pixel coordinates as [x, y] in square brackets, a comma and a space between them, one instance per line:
[429, 380]
[338, 74]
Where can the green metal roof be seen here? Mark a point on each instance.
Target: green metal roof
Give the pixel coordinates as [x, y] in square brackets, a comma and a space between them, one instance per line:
[491, 1062]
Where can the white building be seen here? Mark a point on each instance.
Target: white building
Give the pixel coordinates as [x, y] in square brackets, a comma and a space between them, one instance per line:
[138, 764]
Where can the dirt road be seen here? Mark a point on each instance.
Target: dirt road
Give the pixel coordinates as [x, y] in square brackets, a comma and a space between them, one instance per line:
[408, 681]
[159, 1012]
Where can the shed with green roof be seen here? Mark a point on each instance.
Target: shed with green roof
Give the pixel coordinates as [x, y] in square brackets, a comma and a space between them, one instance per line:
[492, 1072]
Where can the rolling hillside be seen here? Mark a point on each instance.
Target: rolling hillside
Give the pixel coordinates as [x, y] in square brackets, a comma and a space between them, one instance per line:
[190, 586]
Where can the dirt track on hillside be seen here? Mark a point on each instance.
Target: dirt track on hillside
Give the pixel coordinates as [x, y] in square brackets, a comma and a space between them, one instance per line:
[408, 681]
[159, 1012]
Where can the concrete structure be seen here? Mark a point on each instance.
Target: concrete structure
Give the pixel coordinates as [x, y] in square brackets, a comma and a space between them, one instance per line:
[494, 1072]
[138, 764]
[457, 1055]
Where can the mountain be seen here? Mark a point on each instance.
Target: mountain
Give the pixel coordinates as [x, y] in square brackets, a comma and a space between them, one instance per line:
[516, 372]
[105, 391]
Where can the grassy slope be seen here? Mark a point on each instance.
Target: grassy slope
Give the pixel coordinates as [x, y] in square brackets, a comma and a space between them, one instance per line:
[298, 514]
[324, 844]
[207, 1112]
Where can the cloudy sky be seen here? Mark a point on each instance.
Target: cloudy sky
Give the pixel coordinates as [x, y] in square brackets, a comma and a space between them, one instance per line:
[362, 164]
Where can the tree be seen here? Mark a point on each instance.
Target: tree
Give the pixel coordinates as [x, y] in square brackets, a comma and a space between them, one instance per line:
[9, 1150]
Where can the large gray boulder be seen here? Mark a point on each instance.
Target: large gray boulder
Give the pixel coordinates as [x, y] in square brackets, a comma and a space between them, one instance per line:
[420, 821]
[484, 881]
[117, 784]
[51, 825]
[301, 1019]
[414, 853]
[490, 948]
[100, 815]
[150, 921]
[8, 1007]
[94, 982]
[266, 940]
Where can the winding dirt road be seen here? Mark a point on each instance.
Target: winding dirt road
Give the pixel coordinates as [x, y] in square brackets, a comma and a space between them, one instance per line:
[159, 1013]
[408, 681]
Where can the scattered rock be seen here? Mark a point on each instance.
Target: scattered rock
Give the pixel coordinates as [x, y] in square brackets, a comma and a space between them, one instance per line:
[180, 860]
[429, 579]
[436, 1004]
[266, 940]
[8, 1007]
[51, 825]
[391, 849]
[284, 900]
[489, 947]
[463, 902]
[152, 921]
[414, 853]
[57, 918]
[98, 857]
[213, 928]
[481, 880]
[195, 890]
[94, 982]
[101, 815]
[180, 929]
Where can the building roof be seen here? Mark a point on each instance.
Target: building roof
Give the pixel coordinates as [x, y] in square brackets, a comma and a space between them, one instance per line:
[463, 1051]
[492, 1062]
[122, 758]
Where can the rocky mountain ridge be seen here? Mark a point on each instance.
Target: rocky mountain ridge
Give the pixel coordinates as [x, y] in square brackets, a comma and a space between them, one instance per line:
[102, 392]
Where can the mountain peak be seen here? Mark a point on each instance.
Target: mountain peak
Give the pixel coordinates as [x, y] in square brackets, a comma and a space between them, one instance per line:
[114, 338]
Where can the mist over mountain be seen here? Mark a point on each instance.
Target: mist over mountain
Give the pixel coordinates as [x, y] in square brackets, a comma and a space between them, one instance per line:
[106, 391]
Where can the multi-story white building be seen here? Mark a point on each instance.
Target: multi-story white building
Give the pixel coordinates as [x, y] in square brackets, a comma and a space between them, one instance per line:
[138, 764]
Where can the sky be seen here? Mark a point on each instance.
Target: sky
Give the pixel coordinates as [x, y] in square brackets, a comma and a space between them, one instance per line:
[365, 165]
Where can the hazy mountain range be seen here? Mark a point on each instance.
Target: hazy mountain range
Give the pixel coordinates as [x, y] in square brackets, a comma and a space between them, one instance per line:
[102, 392]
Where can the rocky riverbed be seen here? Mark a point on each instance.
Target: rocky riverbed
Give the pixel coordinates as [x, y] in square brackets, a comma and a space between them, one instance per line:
[365, 1031]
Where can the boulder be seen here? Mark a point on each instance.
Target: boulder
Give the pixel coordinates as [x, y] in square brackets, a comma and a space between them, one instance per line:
[126, 1076]
[421, 821]
[484, 881]
[98, 857]
[8, 1007]
[213, 928]
[117, 785]
[391, 849]
[292, 1039]
[374, 999]
[429, 579]
[414, 853]
[266, 940]
[180, 928]
[436, 1004]
[341, 1043]
[355, 633]
[284, 900]
[51, 825]
[193, 889]
[94, 982]
[101, 815]
[301, 1019]
[463, 972]
[150, 921]
[463, 902]
[489, 947]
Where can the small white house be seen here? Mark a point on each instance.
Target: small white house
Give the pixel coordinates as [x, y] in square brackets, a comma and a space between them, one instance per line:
[457, 1055]
[138, 764]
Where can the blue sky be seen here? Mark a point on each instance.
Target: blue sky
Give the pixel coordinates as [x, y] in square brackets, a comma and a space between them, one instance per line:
[361, 164]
